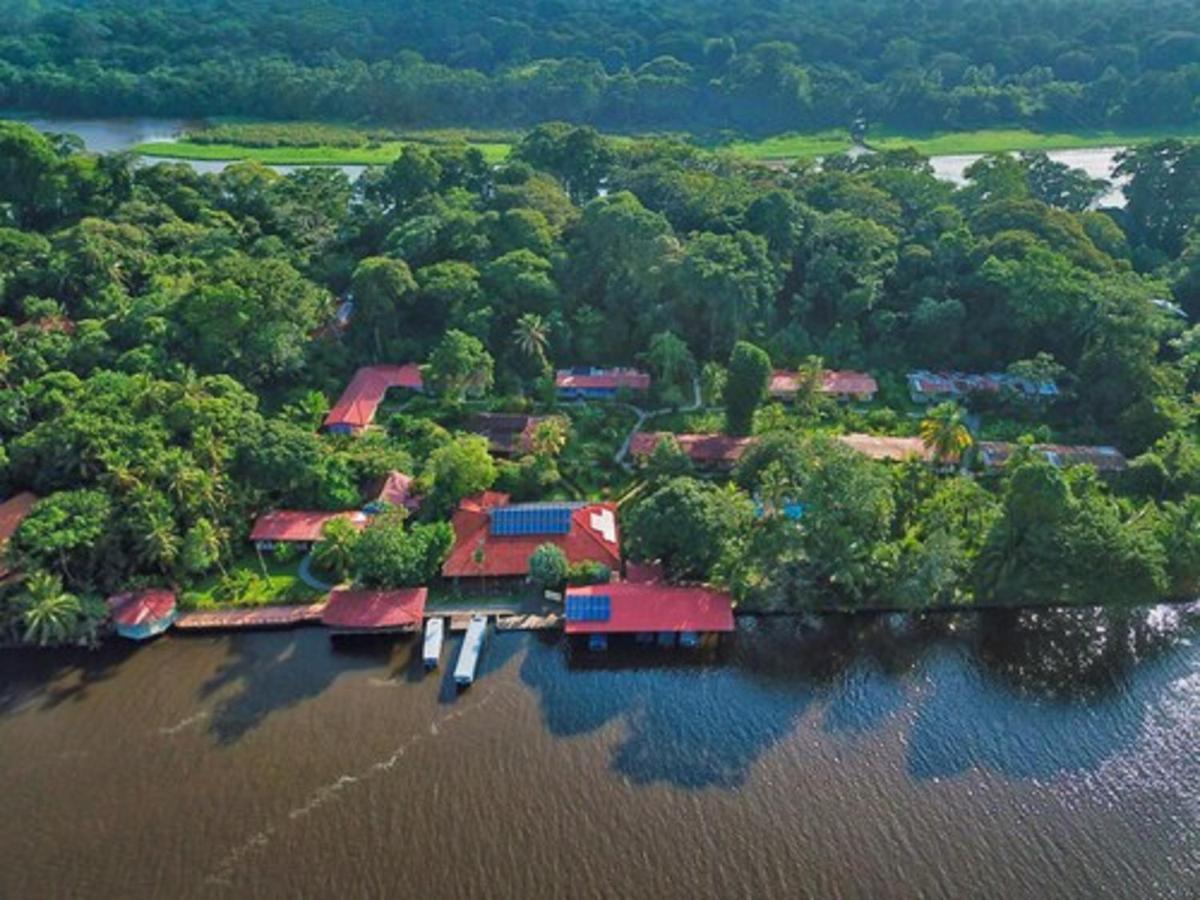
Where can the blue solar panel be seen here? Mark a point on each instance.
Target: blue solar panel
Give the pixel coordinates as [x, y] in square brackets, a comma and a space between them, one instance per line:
[520, 520]
[588, 608]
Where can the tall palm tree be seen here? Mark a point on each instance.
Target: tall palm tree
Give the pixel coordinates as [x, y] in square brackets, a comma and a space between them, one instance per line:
[532, 336]
[50, 614]
[944, 432]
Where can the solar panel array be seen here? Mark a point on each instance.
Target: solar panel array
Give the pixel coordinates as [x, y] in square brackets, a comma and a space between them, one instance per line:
[512, 521]
[588, 607]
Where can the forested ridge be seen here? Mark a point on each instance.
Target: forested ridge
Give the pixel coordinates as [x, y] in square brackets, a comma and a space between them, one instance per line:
[696, 65]
[168, 349]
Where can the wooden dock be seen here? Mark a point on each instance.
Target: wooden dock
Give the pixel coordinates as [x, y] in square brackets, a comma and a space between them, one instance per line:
[529, 622]
[255, 617]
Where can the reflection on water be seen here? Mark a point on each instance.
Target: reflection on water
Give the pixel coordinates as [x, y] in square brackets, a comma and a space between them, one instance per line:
[818, 756]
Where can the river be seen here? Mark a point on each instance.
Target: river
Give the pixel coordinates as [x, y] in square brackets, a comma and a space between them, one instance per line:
[1005, 755]
[109, 135]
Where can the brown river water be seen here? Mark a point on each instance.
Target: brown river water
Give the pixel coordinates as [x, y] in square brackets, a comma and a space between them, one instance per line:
[1002, 754]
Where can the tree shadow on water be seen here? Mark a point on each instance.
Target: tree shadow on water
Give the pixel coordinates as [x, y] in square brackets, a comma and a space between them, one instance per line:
[266, 672]
[1036, 694]
[44, 679]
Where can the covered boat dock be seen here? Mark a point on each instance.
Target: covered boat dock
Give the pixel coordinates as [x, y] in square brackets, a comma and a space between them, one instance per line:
[653, 613]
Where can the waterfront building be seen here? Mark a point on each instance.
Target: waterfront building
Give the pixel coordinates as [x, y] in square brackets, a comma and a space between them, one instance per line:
[140, 615]
[12, 513]
[652, 612]
[400, 610]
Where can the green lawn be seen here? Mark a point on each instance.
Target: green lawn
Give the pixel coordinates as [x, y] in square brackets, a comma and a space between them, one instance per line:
[380, 154]
[246, 586]
[1016, 139]
[792, 146]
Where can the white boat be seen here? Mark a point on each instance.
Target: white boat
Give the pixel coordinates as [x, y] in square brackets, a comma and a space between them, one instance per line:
[435, 631]
[472, 646]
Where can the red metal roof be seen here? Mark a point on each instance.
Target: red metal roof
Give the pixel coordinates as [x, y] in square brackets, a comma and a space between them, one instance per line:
[594, 536]
[704, 449]
[387, 610]
[882, 447]
[833, 381]
[602, 379]
[656, 607]
[132, 609]
[1105, 459]
[397, 491]
[12, 513]
[300, 526]
[356, 407]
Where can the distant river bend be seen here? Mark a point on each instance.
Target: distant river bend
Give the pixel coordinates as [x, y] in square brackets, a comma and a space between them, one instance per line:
[112, 135]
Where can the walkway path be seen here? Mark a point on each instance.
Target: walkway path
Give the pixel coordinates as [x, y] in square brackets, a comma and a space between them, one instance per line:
[254, 617]
[304, 573]
[643, 415]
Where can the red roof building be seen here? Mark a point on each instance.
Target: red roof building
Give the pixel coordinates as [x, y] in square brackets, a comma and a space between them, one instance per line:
[397, 491]
[647, 608]
[587, 381]
[12, 513]
[844, 384]
[363, 610]
[355, 409]
[718, 451]
[299, 527]
[888, 449]
[494, 539]
[995, 454]
[142, 614]
[508, 434]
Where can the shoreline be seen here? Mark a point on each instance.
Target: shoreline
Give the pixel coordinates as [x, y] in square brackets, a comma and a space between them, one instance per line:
[775, 148]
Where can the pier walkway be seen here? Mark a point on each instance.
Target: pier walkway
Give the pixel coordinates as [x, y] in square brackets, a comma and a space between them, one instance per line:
[256, 617]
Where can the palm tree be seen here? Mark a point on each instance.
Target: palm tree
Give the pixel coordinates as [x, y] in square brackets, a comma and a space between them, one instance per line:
[50, 614]
[335, 551]
[549, 437]
[532, 336]
[944, 432]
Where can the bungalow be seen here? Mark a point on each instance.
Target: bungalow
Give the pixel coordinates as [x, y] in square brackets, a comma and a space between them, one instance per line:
[12, 513]
[590, 383]
[887, 449]
[396, 491]
[707, 451]
[842, 385]
[355, 409]
[930, 387]
[305, 528]
[495, 539]
[142, 614]
[651, 612]
[375, 612]
[508, 434]
[994, 454]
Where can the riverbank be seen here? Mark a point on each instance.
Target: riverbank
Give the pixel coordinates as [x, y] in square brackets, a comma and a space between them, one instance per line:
[795, 145]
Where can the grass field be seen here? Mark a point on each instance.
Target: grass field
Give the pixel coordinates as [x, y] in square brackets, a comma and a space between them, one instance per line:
[380, 154]
[1016, 139]
[246, 586]
[792, 146]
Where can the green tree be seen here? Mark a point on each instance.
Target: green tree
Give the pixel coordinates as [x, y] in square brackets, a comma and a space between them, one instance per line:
[548, 566]
[532, 336]
[456, 470]
[52, 616]
[335, 552]
[945, 434]
[459, 366]
[687, 525]
[384, 290]
[746, 387]
[388, 554]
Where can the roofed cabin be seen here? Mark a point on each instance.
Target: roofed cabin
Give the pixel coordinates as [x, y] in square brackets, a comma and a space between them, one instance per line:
[508, 434]
[356, 408]
[141, 615]
[994, 455]
[844, 385]
[495, 539]
[375, 612]
[591, 383]
[302, 527]
[652, 612]
[12, 513]
[930, 387]
[707, 451]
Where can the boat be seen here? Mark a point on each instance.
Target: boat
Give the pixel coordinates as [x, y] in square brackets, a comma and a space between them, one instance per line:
[435, 631]
[468, 656]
